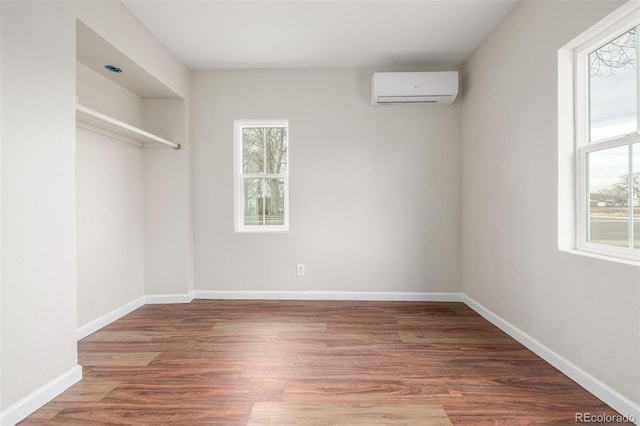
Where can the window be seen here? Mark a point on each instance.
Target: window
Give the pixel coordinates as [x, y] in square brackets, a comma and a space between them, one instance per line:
[608, 142]
[262, 175]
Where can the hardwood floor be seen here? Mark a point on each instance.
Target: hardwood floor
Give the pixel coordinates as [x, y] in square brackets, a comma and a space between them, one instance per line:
[311, 363]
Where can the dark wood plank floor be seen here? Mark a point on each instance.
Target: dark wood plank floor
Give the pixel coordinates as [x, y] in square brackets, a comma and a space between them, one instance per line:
[209, 362]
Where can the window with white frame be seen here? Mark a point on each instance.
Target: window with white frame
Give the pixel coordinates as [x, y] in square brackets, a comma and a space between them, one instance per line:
[608, 142]
[262, 175]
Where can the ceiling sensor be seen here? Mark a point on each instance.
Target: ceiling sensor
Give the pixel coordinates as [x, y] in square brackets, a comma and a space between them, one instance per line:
[112, 68]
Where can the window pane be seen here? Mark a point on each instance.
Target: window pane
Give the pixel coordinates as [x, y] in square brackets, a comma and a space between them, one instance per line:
[253, 202]
[264, 202]
[636, 195]
[252, 150]
[613, 94]
[276, 145]
[274, 201]
[608, 195]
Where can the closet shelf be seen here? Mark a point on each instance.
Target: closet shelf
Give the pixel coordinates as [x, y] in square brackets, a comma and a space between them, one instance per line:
[96, 120]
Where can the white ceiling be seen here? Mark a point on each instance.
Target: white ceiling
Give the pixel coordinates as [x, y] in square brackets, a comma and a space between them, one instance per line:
[212, 34]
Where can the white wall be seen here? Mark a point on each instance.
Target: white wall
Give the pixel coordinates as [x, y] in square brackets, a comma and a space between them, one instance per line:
[39, 317]
[109, 203]
[167, 196]
[110, 224]
[374, 191]
[38, 197]
[586, 310]
[101, 94]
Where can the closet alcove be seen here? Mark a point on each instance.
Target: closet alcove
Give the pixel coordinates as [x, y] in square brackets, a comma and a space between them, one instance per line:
[132, 183]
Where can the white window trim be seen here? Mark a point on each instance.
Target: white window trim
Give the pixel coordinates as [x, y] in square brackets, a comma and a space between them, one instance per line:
[583, 147]
[238, 189]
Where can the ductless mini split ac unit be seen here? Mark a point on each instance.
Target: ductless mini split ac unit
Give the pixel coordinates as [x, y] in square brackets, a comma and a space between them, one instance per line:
[414, 88]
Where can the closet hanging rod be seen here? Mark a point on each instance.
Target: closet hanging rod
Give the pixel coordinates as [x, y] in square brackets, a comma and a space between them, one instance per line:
[120, 126]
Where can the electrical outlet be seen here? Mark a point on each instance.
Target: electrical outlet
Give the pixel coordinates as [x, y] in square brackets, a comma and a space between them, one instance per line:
[300, 269]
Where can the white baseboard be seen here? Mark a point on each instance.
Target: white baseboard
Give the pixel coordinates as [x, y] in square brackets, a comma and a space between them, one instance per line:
[159, 299]
[107, 319]
[27, 405]
[610, 396]
[328, 295]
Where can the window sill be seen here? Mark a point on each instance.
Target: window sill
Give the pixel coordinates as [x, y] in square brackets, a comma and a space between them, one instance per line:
[262, 230]
[600, 256]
